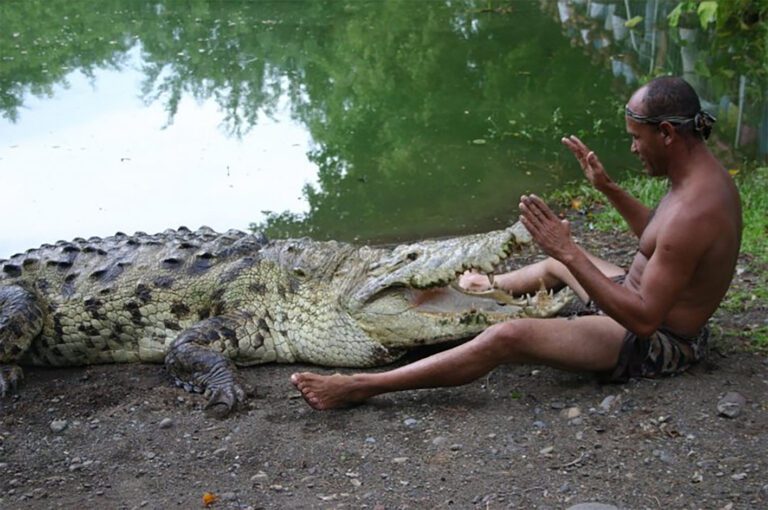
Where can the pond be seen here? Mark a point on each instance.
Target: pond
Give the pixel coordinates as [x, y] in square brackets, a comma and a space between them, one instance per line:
[355, 120]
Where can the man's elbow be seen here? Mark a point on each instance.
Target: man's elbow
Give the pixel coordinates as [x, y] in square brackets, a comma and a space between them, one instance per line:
[644, 332]
[645, 321]
[644, 327]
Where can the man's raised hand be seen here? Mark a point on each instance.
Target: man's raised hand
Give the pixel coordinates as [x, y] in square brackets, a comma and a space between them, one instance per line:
[590, 163]
[552, 234]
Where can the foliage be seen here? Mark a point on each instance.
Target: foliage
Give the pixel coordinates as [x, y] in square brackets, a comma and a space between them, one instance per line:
[739, 46]
[583, 197]
[705, 11]
[754, 201]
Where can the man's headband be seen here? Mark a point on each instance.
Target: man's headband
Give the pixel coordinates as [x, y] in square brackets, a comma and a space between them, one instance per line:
[702, 121]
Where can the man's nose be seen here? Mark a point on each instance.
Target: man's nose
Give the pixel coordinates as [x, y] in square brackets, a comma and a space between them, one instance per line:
[633, 148]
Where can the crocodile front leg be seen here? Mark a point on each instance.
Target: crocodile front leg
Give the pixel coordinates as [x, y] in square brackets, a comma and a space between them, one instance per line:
[21, 320]
[197, 362]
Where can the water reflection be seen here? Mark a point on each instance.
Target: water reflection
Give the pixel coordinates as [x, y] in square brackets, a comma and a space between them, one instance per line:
[734, 91]
[94, 160]
[405, 119]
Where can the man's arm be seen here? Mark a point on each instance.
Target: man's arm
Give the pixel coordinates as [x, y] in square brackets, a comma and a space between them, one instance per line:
[634, 212]
[664, 278]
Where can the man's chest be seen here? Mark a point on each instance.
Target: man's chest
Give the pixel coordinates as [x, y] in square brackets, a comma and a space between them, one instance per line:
[659, 218]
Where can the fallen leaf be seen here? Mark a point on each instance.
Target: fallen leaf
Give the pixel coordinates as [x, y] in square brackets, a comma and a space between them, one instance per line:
[209, 498]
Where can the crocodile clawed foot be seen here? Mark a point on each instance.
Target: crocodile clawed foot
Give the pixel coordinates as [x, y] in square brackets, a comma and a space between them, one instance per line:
[222, 399]
[10, 376]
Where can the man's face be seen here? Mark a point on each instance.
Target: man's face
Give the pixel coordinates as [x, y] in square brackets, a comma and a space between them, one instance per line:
[647, 144]
[647, 140]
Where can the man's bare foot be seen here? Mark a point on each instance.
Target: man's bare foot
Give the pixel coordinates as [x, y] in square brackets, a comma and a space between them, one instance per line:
[475, 282]
[328, 391]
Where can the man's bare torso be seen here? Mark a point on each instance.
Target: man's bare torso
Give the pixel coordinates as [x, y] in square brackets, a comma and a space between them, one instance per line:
[720, 219]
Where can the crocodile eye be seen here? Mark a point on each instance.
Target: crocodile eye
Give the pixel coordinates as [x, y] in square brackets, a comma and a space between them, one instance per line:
[297, 271]
[412, 256]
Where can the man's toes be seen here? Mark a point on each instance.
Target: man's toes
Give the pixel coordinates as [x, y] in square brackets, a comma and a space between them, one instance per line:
[300, 379]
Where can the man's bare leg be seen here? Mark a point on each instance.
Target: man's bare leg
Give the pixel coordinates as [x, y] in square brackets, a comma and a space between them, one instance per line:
[528, 279]
[586, 343]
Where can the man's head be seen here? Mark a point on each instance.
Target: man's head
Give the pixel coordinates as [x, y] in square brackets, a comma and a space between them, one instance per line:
[664, 111]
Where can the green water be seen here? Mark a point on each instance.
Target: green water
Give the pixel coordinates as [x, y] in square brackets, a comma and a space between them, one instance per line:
[382, 120]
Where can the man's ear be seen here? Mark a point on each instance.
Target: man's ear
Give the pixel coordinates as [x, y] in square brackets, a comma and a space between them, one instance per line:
[667, 131]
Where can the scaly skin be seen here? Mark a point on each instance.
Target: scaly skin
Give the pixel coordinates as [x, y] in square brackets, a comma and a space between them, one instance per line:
[203, 302]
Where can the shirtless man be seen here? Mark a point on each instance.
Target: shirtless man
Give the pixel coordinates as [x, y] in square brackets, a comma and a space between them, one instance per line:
[650, 321]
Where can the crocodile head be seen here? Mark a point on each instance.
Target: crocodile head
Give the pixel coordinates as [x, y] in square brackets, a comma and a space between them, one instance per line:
[397, 298]
[408, 295]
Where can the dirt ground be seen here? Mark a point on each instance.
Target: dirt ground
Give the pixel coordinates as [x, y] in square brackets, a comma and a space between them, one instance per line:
[122, 436]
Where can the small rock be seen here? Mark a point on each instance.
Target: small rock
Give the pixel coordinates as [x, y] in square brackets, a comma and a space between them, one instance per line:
[731, 405]
[608, 402]
[557, 405]
[697, 477]
[229, 496]
[738, 476]
[166, 423]
[664, 456]
[261, 475]
[456, 447]
[58, 426]
[439, 440]
[571, 413]
[410, 422]
[400, 460]
[539, 424]
[547, 450]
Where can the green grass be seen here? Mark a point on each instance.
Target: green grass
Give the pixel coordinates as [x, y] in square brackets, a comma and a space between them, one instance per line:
[584, 197]
[754, 202]
[753, 187]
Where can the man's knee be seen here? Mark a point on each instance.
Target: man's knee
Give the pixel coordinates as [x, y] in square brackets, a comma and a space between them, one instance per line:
[508, 339]
[556, 270]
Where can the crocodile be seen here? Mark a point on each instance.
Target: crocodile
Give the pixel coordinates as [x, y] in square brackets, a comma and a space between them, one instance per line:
[204, 302]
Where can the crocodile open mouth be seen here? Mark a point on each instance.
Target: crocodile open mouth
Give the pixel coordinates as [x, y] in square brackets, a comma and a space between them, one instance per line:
[454, 298]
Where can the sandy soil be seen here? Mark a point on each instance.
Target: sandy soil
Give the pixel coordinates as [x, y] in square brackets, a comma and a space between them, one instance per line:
[523, 437]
